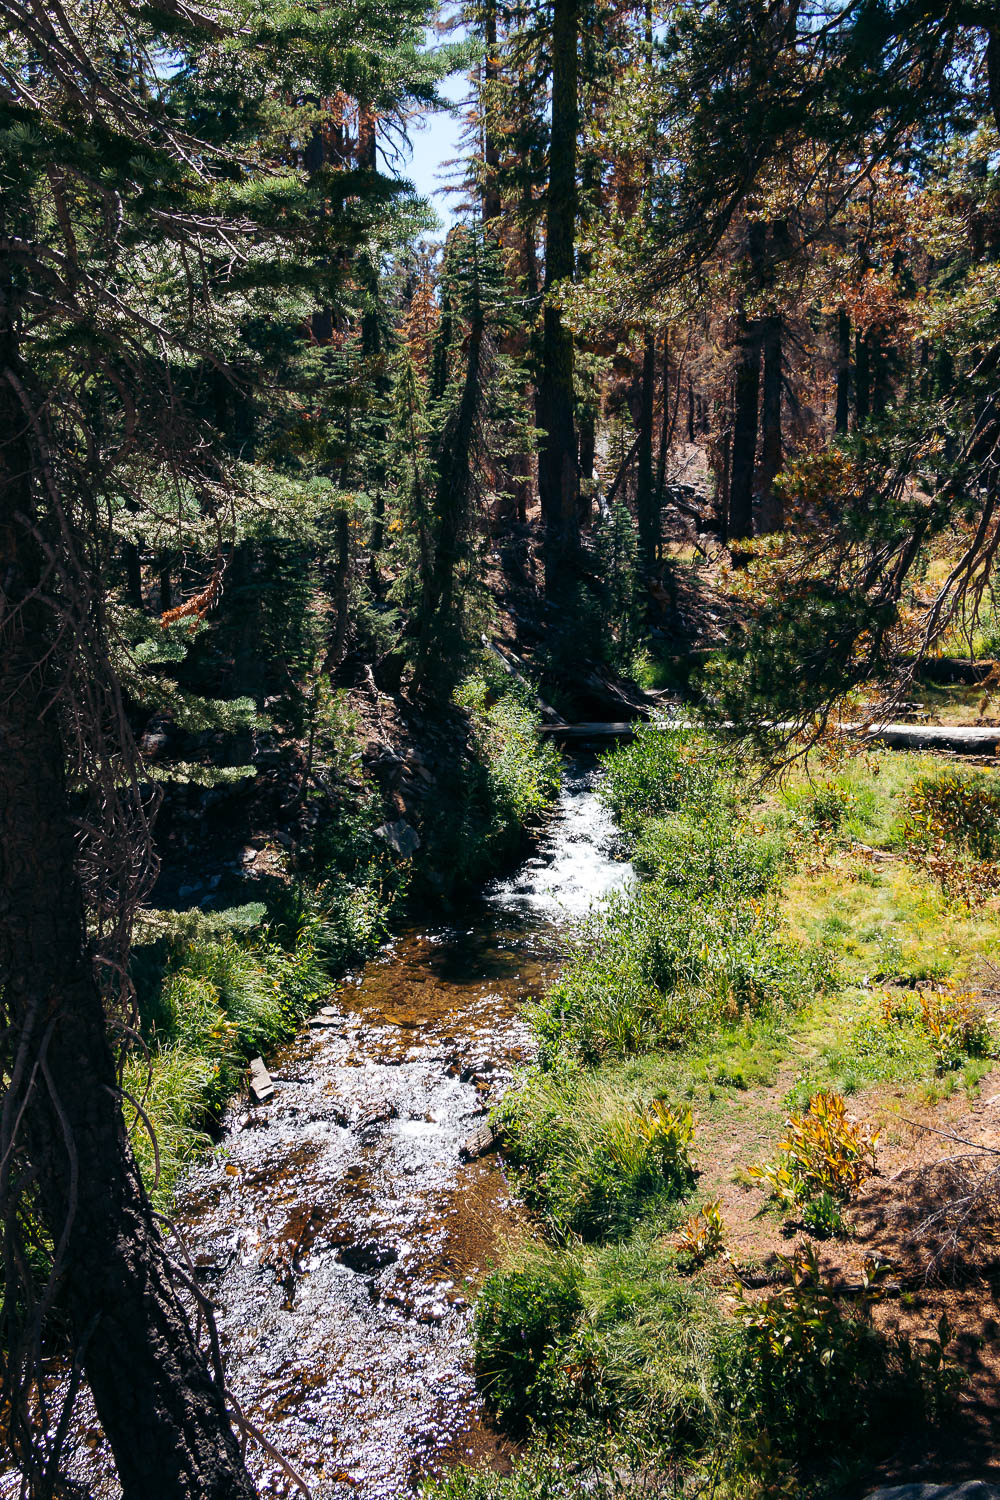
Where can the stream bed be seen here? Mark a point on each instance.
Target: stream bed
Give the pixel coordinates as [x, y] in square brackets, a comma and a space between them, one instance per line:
[337, 1228]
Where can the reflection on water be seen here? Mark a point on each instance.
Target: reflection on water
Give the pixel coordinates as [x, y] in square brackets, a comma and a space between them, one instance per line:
[338, 1230]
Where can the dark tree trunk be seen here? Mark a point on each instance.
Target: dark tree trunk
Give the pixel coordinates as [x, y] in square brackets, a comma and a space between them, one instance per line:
[163, 1415]
[746, 398]
[843, 370]
[771, 515]
[491, 143]
[646, 502]
[558, 474]
[690, 417]
[993, 71]
[341, 578]
[163, 573]
[668, 419]
[745, 418]
[862, 378]
[133, 574]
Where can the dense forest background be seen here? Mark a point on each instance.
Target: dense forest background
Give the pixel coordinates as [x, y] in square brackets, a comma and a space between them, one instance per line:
[706, 368]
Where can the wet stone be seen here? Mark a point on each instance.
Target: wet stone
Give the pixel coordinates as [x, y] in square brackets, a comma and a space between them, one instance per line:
[367, 1257]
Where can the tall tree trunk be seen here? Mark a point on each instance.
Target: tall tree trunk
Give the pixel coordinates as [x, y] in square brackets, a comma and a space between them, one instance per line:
[646, 502]
[862, 378]
[745, 417]
[772, 517]
[668, 418]
[558, 475]
[133, 574]
[746, 401]
[843, 371]
[164, 1416]
[491, 142]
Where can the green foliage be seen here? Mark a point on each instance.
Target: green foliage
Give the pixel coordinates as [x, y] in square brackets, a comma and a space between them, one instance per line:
[808, 1377]
[652, 969]
[959, 807]
[825, 1152]
[521, 1318]
[208, 1003]
[703, 1235]
[710, 857]
[588, 1157]
[581, 1341]
[498, 787]
[522, 768]
[660, 772]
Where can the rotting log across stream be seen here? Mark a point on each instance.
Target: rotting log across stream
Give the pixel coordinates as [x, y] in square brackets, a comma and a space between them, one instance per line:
[336, 1226]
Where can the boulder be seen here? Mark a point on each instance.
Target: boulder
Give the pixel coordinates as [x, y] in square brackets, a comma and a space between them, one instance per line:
[401, 837]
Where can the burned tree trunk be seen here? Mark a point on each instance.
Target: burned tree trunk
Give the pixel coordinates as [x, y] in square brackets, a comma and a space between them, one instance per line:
[63, 1127]
[558, 473]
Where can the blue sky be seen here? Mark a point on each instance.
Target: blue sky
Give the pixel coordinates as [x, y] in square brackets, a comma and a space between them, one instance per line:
[435, 140]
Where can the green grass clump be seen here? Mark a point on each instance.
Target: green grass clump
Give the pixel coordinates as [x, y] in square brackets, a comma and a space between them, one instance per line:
[655, 968]
[709, 857]
[209, 1001]
[613, 1335]
[590, 1158]
[659, 772]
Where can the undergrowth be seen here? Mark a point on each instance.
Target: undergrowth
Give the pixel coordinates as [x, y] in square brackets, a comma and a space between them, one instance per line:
[754, 940]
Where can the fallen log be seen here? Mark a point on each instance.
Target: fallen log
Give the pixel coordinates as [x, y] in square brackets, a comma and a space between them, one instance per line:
[964, 739]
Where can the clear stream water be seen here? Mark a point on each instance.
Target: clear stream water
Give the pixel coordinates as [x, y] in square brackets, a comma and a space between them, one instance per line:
[338, 1230]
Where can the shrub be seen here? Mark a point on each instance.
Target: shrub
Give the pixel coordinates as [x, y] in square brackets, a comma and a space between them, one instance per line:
[589, 1159]
[956, 1027]
[521, 1317]
[660, 772]
[825, 1152]
[654, 969]
[709, 858]
[496, 789]
[703, 1235]
[960, 808]
[220, 999]
[808, 1378]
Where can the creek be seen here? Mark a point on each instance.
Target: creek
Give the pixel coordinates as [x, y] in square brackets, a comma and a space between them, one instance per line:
[336, 1227]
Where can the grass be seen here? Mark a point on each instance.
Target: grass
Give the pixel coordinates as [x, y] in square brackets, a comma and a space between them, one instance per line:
[768, 957]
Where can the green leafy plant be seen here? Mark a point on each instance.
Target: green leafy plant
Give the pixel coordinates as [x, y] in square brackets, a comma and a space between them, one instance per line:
[956, 1026]
[819, 1377]
[825, 1151]
[703, 1235]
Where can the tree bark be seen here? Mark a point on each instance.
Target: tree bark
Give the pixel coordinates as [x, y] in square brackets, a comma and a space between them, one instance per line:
[164, 1416]
[862, 378]
[745, 418]
[771, 513]
[491, 143]
[558, 474]
[746, 399]
[646, 502]
[843, 371]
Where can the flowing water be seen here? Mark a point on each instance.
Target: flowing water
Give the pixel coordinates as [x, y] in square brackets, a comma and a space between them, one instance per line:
[337, 1229]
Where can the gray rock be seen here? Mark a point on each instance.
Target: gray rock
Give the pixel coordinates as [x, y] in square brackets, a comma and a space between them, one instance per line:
[969, 1489]
[261, 1087]
[400, 836]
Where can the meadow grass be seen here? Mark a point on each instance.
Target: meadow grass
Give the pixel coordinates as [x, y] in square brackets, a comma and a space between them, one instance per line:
[768, 957]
